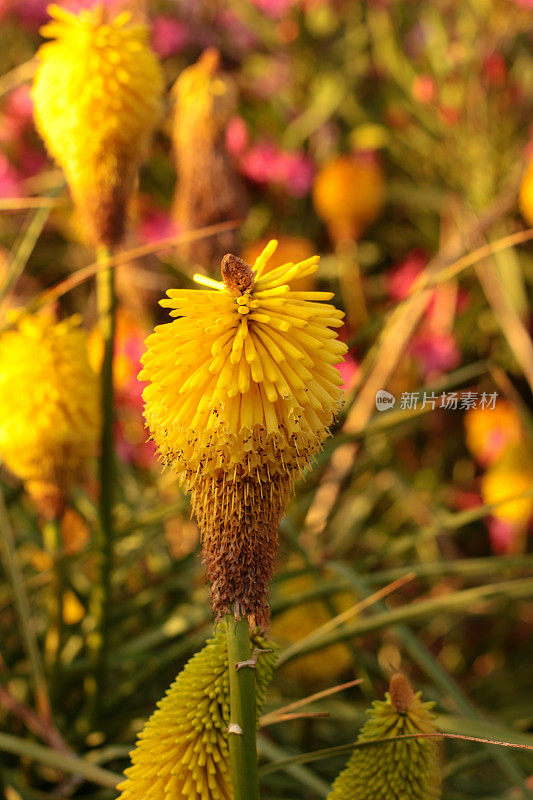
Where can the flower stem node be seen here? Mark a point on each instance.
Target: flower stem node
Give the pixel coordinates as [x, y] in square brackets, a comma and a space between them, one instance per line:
[243, 389]
[234, 728]
[251, 662]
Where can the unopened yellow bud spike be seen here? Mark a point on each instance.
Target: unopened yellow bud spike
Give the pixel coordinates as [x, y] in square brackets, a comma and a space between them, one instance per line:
[182, 752]
[407, 769]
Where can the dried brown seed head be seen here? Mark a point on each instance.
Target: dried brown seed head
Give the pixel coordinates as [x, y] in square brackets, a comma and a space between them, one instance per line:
[236, 274]
[401, 692]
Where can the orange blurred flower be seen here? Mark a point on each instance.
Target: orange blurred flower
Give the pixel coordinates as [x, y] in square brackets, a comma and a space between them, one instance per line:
[490, 431]
[348, 194]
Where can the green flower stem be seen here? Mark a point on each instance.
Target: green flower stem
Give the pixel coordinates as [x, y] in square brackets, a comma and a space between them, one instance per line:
[100, 600]
[55, 634]
[242, 745]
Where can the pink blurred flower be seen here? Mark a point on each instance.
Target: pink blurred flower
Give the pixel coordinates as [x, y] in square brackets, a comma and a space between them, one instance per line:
[30, 13]
[436, 353]
[348, 370]
[20, 104]
[156, 225]
[78, 5]
[496, 69]
[400, 278]
[241, 37]
[169, 35]
[17, 114]
[130, 350]
[236, 136]
[260, 162]
[9, 178]
[296, 171]
[265, 163]
[31, 161]
[502, 535]
[130, 433]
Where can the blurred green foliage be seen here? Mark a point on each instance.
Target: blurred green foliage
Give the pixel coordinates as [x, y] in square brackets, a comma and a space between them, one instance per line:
[443, 92]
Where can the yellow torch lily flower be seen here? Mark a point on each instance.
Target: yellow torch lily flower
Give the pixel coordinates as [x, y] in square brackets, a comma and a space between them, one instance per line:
[97, 96]
[49, 409]
[243, 389]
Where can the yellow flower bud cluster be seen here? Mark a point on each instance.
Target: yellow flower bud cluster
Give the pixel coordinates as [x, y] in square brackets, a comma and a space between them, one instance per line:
[406, 769]
[182, 753]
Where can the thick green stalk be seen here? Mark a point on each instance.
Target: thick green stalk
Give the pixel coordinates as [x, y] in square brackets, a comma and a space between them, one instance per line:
[243, 720]
[100, 600]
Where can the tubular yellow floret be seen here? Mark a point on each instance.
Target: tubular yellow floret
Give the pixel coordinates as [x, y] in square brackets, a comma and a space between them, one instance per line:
[182, 753]
[243, 389]
[49, 410]
[407, 769]
[97, 95]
